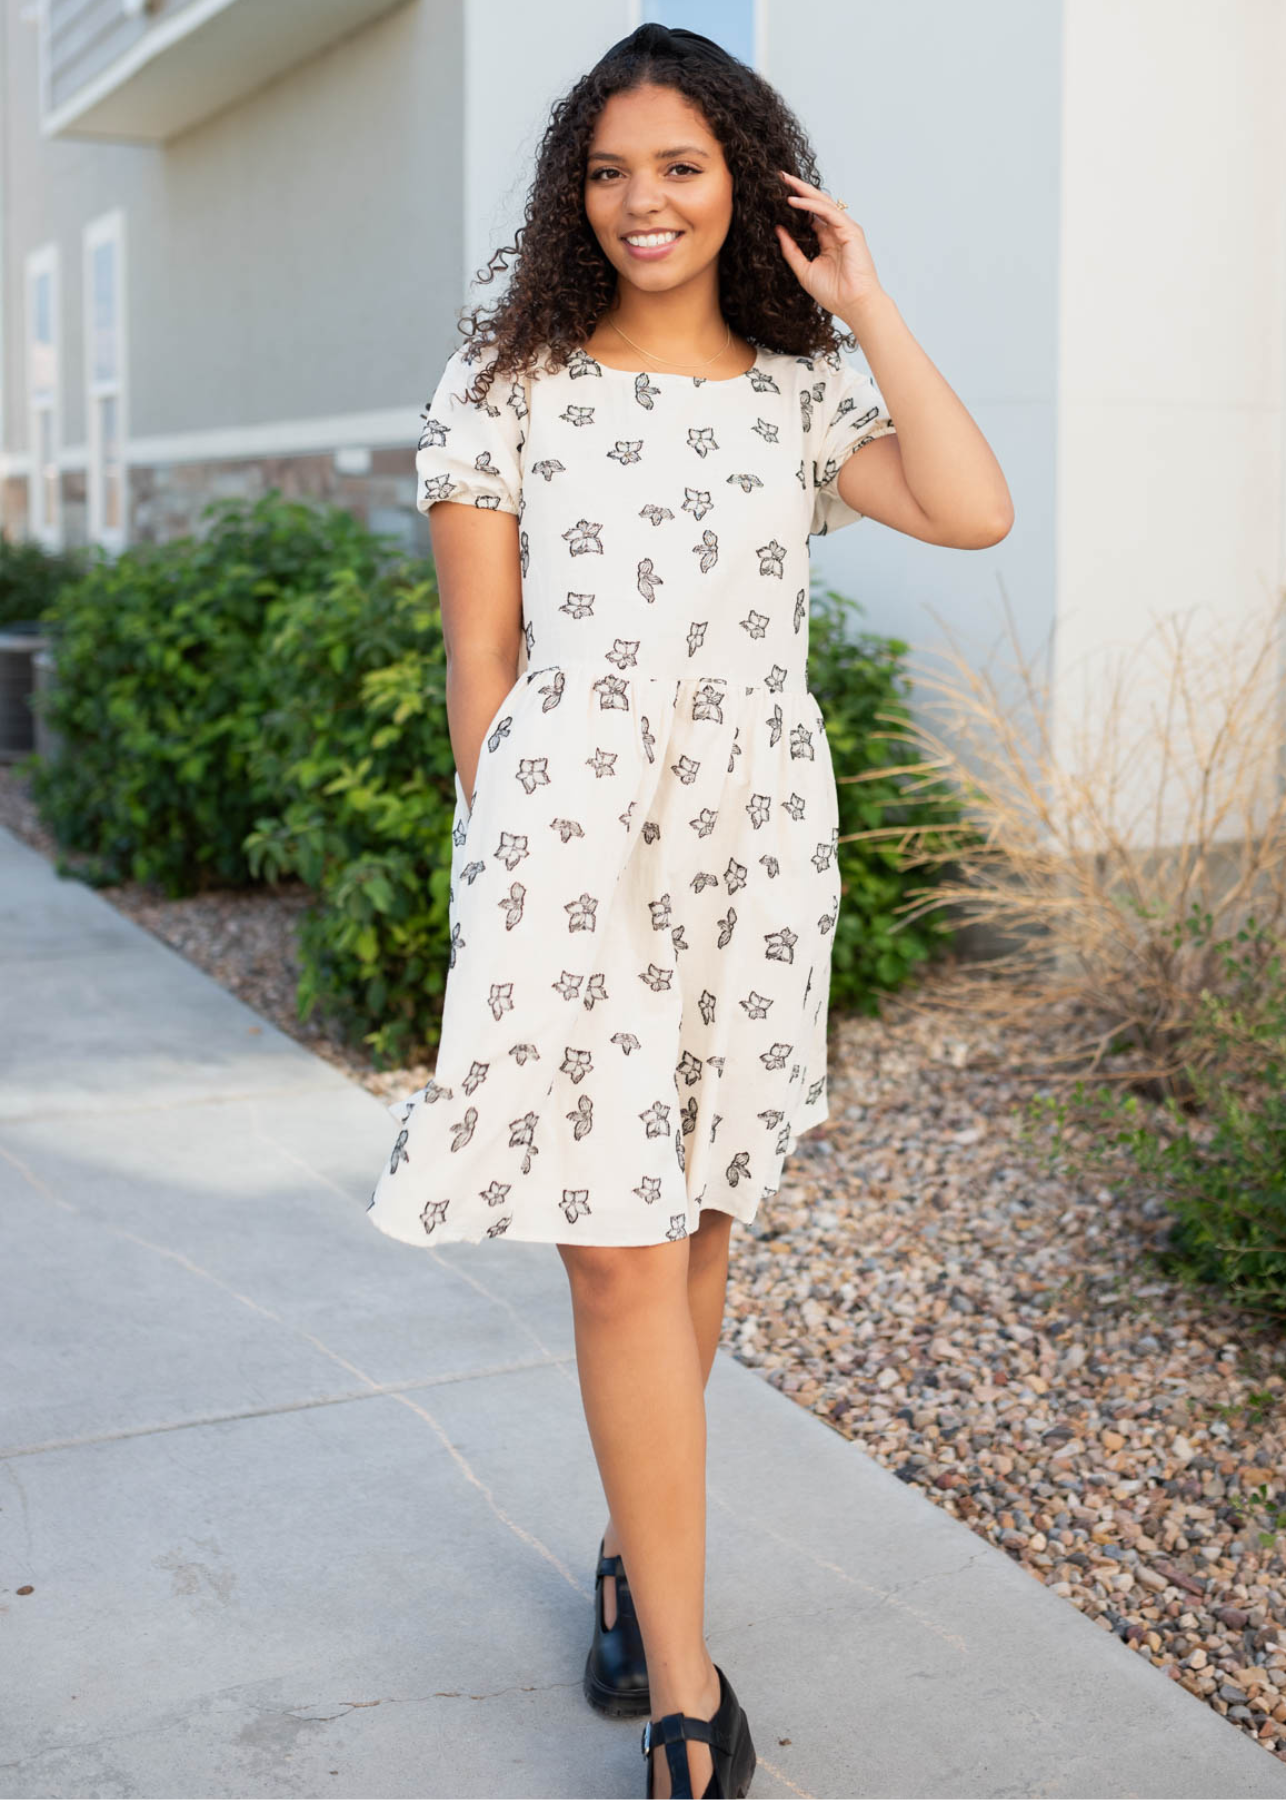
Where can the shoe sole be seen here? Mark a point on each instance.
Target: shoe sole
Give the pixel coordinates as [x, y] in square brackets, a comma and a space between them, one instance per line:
[610, 1702]
[744, 1761]
[743, 1768]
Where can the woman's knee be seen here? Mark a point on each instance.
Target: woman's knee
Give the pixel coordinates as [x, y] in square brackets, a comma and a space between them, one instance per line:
[609, 1278]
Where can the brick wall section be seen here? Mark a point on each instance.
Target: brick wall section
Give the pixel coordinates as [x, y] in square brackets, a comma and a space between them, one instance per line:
[166, 500]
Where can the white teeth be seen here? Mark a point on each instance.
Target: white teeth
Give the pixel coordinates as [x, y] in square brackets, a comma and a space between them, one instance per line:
[647, 240]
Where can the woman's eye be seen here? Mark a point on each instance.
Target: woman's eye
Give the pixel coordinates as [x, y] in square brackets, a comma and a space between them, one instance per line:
[683, 168]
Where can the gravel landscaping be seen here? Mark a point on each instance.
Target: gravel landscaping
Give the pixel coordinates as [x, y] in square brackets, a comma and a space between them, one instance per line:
[999, 1338]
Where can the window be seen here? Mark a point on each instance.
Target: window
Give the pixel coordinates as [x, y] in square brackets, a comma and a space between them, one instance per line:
[43, 395]
[104, 287]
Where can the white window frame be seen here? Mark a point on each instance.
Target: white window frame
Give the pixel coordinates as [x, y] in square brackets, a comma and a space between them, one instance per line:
[47, 529]
[109, 227]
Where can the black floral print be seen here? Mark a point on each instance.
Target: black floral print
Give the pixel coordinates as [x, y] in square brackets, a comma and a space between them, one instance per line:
[644, 886]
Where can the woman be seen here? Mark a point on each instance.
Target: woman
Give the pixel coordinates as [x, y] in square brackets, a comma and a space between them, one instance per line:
[621, 470]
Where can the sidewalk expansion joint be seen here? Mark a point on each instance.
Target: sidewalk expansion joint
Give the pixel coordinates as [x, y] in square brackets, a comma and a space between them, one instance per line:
[196, 1420]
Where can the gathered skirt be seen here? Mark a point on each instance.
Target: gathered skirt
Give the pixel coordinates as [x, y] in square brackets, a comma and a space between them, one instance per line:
[643, 899]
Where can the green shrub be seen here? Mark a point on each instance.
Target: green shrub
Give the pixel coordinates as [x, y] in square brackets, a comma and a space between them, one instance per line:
[355, 754]
[1219, 1162]
[161, 685]
[861, 688]
[30, 576]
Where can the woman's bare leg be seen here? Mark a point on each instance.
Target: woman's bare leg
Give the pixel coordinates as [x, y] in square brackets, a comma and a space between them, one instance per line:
[708, 1283]
[643, 1386]
[707, 1290]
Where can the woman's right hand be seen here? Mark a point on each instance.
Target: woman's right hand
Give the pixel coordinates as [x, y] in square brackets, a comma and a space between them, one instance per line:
[475, 688]
[476, 554]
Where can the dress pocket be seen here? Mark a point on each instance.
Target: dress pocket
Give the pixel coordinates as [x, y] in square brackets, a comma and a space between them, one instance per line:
[464, 809]
[461, 804]
[826, 763]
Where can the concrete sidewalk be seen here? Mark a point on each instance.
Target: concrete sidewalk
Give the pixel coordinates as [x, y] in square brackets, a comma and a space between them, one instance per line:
[306, 1511]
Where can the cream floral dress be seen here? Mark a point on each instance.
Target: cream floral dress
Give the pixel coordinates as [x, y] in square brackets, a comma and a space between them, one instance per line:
[643, 893]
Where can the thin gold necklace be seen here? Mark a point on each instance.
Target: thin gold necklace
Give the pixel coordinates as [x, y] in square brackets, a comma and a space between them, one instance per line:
[655, 358]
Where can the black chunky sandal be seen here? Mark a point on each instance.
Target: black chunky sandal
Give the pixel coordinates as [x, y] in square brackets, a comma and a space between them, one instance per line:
[728, 1735]
[616, 1683]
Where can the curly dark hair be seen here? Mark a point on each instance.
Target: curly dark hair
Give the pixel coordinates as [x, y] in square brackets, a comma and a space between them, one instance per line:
[561, 282]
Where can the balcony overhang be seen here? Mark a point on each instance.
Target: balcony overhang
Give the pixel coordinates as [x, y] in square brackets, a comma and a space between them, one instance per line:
[200, 58]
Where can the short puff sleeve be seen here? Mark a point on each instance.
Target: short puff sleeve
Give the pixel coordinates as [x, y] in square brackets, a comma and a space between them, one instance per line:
[468, 452]
[847, 411]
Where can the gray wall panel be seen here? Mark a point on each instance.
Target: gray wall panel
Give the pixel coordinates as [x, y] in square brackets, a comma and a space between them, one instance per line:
[53, 187]
[940, 126]
[294, 257]
[306, 242]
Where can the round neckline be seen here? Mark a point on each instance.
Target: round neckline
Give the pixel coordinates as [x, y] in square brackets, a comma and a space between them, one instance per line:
[699, 381]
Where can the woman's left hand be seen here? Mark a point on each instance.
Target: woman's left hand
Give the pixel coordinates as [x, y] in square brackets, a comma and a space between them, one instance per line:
[841, 276]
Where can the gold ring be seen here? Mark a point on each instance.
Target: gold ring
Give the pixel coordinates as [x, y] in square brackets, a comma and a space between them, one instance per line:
[842, 204]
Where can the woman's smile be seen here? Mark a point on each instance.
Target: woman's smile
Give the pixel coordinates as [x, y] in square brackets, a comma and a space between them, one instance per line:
[649, 245]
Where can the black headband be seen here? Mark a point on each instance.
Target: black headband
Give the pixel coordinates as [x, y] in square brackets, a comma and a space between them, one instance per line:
[694, 44]
[685, 44]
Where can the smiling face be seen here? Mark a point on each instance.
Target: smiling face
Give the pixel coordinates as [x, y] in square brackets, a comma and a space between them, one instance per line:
[658, 192]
